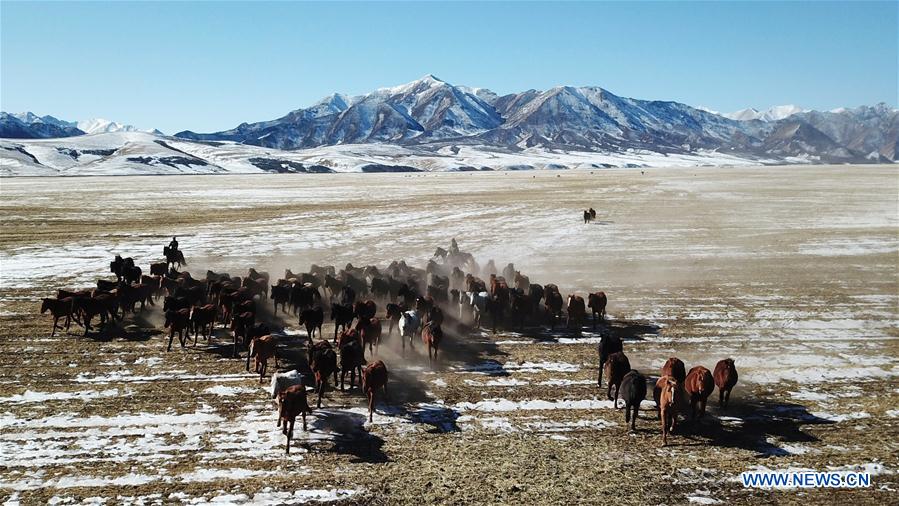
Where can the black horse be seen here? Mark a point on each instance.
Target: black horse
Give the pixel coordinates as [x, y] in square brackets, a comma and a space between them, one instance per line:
[124, 268]
[173, 256]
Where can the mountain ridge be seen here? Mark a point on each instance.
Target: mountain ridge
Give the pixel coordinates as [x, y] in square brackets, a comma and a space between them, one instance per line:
[431, 114]
[430, 111]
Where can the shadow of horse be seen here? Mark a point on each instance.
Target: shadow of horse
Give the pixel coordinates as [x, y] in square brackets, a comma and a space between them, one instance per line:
[136, 329]
[626, 330]
[754, 425]
[350, 435]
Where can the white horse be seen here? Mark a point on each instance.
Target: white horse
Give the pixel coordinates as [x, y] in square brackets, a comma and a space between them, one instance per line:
[476, 302]
[410, 324]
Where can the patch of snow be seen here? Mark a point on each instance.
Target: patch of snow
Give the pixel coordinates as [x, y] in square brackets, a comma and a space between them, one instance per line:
[227, 391]
[30, 396]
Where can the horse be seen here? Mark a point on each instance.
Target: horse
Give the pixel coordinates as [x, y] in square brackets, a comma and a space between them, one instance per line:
[432, 334]
[394, 313]
[173, 256]
[675, 368]
[410, 324]
[342, 316]
[370, 330]
[669, 398]
[313, 319]
[58, 308]
[477, 301]
[633, 391]
[553, 300]
[576, 312]
[597, 304]
[616, 368]
[699, 385]
[608, 344]
[725, 379]
[374, 378]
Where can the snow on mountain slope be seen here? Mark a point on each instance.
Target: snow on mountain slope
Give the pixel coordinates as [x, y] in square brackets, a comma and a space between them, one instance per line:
[100, 125]
[428, 115]
[775, 113]
[55, 127]
[138, 153]
[116, 153]
[28, 125]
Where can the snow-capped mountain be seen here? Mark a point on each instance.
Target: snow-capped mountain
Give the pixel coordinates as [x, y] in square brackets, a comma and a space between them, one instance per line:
[32, 126]
[429, 124]
[432, 112]
[28, 125]
[100, 125]
[775, 113]
[421, 111]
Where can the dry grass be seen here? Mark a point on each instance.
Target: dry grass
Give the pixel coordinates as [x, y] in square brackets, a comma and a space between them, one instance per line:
[729, 262]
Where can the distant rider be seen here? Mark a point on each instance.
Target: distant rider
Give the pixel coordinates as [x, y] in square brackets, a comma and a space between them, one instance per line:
[174, 244]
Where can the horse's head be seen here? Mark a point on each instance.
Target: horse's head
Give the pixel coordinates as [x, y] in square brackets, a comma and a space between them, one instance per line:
[672, 390]
[46, 305]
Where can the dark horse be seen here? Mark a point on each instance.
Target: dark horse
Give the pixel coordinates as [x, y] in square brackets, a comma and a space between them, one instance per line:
[173, 256]
[124, 268]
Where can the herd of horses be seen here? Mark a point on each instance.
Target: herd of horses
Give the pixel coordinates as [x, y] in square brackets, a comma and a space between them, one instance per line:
[416, 303]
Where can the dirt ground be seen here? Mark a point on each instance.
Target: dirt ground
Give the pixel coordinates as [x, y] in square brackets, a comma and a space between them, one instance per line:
[791, 271]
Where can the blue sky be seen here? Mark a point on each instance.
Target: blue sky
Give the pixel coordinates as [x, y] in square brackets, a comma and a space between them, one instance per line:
[209, 66]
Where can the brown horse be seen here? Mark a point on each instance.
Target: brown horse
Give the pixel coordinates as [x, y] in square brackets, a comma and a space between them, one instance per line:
[522, 282]
[553, 300]
[577, 311]
[432, 335]
[263, 348]
[597, 304]
[617, 366]
[58, 308]
[699, 386]
[374, 377]
[725, 379]
[323, 362]
[370, 330]
[365, 310]
[177, 321]
[669, 398]
[202, 319]
[292, 401]
[675, 368]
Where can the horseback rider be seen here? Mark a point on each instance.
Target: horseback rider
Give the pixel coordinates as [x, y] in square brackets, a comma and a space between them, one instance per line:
[174, 244]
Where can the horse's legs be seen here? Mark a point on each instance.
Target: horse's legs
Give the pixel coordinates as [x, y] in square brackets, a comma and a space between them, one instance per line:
[289, 435]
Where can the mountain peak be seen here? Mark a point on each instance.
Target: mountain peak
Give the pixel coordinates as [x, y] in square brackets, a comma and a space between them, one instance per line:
[432, 78]
[775, 113]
